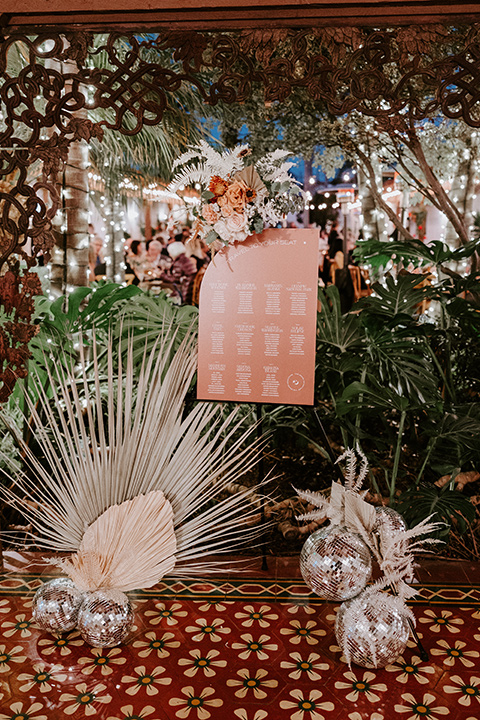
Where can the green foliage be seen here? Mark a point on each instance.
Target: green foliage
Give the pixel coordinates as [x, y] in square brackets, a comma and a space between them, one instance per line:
[61, 321]
[147, 317]
[399, 386]
[149, 154]
[105, 310]
[444, 505]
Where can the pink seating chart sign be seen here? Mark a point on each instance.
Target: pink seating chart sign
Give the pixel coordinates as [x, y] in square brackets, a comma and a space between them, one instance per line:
[258, 311]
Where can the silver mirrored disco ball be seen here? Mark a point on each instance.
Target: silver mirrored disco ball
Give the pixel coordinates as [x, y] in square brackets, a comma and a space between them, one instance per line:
[373, 629]
[105, 618]
[389, 520]
[56, 605]
[335, 563]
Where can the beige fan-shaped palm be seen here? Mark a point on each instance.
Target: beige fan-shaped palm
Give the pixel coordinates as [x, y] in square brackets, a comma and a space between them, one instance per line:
[129, 546]
[252, 179]
[100, 454]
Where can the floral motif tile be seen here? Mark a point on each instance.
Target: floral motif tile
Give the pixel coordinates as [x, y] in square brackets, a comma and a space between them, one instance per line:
[237, 650]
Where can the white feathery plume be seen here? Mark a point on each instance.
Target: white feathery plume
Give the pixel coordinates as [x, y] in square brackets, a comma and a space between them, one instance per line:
[394, 551]
[313, 498]
[210, 162]
[189, 176]
[354, 481]
[99, 457]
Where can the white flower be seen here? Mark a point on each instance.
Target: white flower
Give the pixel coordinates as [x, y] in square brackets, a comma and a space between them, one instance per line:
[254, 681]
[420, 709]
[364, 687]
[256, 646]
[414, 668]
[467, 690]
[455, 651]
[202, 661]
[304, 666]
[195, 702]
[232, 233]
[303, 703]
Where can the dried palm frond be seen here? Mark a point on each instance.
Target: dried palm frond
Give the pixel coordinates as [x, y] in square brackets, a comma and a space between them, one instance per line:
[129, 546]
[210, 162]
[97, 456]
[252, 179]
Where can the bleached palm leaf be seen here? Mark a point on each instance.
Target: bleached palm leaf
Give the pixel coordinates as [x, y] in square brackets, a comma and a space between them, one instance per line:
[313, 497]
[130, 546]
[359, 515]
[186, 157]
[252, 179]
[98, 457]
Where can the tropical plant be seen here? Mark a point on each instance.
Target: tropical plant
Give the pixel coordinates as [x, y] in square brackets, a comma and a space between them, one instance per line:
[97, 314]
[400, 384]
[147, 317]
[62, 321]
[447, 507]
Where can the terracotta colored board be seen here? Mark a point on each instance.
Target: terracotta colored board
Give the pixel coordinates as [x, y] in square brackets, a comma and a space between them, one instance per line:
[258, 308]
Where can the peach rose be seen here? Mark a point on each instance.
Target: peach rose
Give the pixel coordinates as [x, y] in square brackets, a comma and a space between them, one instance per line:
[217, 185]
[236, 196]
[236, 223]
[226, 210]
[209, 214]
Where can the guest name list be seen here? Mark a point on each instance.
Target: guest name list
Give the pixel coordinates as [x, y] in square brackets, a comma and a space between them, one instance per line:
[258, 305]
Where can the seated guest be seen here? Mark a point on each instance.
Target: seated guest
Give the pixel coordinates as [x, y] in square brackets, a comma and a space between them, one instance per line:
[182, 271]
[151, 269]
[135, 259]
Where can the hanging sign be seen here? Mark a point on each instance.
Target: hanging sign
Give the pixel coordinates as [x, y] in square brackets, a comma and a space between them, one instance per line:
[257, 324]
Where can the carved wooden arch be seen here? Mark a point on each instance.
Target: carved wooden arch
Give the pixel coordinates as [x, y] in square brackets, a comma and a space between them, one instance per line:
[375, 72]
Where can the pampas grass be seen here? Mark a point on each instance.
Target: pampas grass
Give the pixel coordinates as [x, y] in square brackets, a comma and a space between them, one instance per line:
[100, 454]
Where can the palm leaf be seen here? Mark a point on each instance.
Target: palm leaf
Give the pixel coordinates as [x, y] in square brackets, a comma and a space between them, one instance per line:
[130, 546]
[98, 456]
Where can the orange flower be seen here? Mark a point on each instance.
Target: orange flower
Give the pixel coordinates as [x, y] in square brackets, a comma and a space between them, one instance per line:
[236, 196]
[209, 214]
[217, 185]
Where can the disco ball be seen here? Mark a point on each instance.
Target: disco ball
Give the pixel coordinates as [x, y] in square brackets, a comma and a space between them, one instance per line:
[335, 563]
[56, 605]
[373, 629]
[105, 618]
[389, 520]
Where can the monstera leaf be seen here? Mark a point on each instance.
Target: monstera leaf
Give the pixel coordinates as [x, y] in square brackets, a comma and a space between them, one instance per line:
[341, 332]
[398, 297]
[402, 364]
[443, 505]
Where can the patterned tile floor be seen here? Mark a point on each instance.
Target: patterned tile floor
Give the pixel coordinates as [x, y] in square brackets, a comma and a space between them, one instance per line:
[251, 647]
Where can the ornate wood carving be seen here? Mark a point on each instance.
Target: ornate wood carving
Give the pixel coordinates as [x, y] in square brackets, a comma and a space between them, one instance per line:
[375, 72]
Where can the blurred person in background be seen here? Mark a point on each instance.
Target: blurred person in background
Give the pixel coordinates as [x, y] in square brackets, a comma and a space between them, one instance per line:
[135, 259]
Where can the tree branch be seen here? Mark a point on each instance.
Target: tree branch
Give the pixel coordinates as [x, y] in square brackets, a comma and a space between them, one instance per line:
[379, 199]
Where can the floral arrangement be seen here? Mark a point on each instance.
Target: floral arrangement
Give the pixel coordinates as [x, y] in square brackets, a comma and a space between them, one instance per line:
[238, 198]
